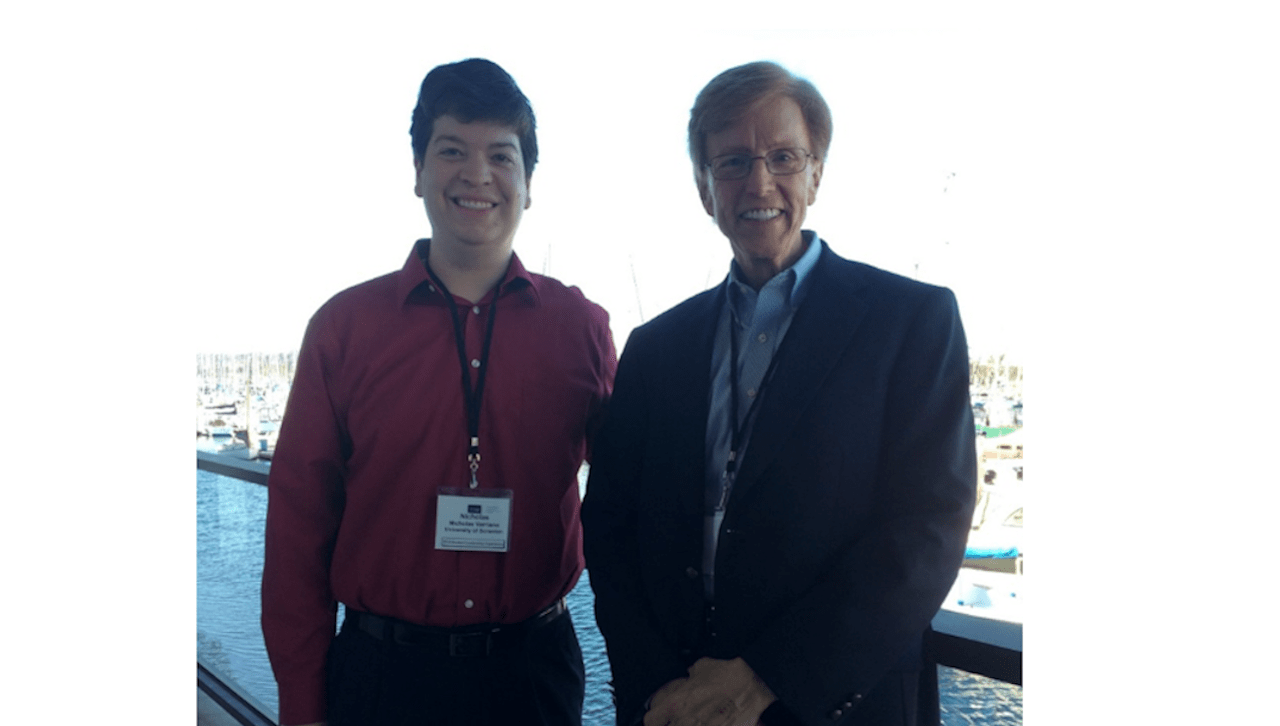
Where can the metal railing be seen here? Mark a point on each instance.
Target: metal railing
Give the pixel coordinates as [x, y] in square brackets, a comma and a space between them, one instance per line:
[230, 699]
[972, 643]
[987, 647]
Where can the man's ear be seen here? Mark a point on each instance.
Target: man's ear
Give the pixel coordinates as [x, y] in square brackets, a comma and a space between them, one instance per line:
[817, 178]
[417, 176]
[704, 191]
[528, 192]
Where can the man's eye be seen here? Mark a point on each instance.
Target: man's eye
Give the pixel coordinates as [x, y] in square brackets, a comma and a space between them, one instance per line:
[450, 152]
[502, 159]
[783, 155]
[733, 162]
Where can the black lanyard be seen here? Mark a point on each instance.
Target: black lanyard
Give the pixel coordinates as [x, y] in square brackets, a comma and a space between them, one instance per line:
[737, 429]
[471, 398]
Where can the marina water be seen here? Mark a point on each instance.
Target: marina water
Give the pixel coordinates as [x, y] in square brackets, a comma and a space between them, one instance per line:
[230, 520]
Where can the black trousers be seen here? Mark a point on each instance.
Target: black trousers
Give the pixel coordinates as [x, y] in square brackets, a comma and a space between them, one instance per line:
[373, 682]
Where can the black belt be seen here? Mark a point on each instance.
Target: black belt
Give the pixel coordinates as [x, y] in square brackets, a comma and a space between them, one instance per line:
[471, 640]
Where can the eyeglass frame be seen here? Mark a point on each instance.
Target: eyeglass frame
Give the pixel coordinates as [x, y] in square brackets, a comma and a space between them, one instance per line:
[751, 162]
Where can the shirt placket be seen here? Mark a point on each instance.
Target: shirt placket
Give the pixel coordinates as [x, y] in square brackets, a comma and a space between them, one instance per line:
[474, 332]
[755, 363]
[472, 596]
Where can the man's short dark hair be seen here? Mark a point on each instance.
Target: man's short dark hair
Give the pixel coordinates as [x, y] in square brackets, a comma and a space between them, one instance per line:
[728, 97]
[474, 90]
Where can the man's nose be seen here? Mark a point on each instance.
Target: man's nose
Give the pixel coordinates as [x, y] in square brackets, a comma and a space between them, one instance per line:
[759, 178]
[476, 170]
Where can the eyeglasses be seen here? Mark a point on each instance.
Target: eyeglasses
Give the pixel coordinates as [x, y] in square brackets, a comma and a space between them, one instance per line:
[779, 162]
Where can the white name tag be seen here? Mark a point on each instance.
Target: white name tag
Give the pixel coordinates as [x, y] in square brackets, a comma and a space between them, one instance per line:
[473, 521]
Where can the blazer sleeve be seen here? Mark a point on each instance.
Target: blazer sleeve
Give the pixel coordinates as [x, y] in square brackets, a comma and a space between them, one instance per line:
[841, 635]
[642, 660]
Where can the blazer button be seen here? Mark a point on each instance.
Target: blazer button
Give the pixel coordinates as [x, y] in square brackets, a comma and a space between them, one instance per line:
[835, 714]
[690, 573]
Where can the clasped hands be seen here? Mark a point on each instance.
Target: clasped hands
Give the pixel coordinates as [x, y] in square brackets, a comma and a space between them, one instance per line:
[716, 693]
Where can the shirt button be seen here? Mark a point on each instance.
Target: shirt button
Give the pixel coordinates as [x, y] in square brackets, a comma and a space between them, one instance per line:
[476, 310]
[751, 393]
[432, 288]
[762, 338]
[469, 604]
[475, 362]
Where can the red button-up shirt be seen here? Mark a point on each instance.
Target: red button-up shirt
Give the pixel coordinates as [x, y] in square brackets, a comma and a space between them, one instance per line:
[376, 425]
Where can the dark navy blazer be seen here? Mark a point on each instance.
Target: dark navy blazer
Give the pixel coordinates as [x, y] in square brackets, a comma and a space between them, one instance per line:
[848, 518]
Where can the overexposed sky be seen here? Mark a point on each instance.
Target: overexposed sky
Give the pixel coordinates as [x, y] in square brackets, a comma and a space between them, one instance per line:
[306, 176]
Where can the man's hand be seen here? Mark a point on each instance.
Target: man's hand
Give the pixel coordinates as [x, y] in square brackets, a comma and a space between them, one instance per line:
[716, 693]
[661, 703]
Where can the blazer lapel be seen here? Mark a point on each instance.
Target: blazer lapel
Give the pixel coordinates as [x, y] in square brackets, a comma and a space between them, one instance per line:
[685, 384]
[819, 334]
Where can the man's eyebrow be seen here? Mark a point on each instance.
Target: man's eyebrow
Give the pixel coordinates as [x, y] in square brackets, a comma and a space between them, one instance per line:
[739, 150]
[736, 149]
[461, 142]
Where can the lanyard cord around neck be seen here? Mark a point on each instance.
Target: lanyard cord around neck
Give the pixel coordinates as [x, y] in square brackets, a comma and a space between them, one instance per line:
[471, 398]
[737, 428]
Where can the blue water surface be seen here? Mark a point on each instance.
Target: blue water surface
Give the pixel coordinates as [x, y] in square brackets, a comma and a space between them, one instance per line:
[230, 520]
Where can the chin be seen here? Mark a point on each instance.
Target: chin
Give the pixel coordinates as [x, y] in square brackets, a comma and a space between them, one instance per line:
[763, 246]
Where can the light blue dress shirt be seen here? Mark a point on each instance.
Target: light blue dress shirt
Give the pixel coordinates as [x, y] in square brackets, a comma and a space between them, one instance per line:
[760, 320]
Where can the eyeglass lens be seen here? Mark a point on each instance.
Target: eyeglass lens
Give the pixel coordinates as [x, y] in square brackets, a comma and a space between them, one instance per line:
[778, 162]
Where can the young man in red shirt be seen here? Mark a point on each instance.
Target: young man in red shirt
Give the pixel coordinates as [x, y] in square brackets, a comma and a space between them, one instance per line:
[426, 471]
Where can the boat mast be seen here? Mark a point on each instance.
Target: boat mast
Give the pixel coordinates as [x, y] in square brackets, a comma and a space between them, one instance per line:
[248, 412]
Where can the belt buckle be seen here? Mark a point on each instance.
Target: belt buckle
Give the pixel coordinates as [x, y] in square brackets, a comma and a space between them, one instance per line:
[552, 610]
[467, 645]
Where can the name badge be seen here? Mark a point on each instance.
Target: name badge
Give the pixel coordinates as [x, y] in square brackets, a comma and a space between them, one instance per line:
[473, 521]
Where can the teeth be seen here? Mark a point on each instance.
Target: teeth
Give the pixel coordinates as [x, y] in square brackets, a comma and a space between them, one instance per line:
[469, 204]
[761, 214]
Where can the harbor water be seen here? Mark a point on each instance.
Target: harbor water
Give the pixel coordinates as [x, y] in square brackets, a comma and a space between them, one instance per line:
[230, 517]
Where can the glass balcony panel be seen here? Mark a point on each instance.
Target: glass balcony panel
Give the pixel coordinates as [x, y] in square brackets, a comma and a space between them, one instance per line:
[230, 519]
[231, 516]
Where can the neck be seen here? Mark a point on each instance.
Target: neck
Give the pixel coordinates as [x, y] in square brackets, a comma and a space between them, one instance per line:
[756, 271]
[756, 274]
[469, 273]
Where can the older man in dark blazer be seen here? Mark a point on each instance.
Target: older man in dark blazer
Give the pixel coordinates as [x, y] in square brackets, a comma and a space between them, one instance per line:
[780, 495]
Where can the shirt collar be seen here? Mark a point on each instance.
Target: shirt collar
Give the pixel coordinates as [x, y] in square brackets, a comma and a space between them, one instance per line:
[413, 277]
[793, 280]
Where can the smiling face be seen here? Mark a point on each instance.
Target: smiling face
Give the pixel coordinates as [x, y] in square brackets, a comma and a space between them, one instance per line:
[472, 181]
[762, 214]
